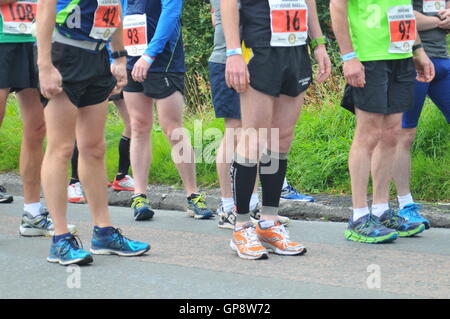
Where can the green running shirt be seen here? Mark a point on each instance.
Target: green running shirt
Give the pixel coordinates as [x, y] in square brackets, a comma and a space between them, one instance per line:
[371, 30]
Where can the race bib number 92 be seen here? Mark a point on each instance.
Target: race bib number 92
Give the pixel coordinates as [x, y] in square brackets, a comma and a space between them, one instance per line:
[18, 16]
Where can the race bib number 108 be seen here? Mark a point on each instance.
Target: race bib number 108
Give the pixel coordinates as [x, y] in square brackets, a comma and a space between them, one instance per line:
[289, 22]
[402, 28]
[18, 16]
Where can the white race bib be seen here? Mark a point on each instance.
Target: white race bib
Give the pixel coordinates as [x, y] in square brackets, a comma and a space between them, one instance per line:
[106, 19]
[135, 34]
[18, 16]
[402, 29]
[433, 6]
[288, 22]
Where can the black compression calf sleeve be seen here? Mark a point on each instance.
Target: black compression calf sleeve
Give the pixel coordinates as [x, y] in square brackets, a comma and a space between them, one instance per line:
[272, 170]
[74, 162]
[124, 157]
[243, 178]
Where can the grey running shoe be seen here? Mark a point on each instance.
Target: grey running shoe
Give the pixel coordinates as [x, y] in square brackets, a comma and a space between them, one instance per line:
[5, 198]
[41, 225]
[227, 219]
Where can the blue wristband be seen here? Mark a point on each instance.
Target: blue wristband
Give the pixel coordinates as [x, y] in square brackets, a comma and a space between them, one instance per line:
[231, 52]
[348, 56]
[148, 59]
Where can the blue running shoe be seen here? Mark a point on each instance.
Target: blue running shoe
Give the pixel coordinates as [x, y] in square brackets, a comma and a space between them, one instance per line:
[67, 251]
[141, 207]
[197, 207]
[411, 213]
[368, 229]
[291, 193]
[117, 244]
[404, 228]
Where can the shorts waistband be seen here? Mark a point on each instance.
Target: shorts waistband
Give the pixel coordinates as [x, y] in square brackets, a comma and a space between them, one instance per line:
[87, 45]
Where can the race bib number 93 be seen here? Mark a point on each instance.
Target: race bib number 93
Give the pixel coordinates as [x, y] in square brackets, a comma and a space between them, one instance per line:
[135, 34]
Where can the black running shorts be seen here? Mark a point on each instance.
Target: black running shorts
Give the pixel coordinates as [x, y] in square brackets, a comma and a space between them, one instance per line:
[280, 70]
[157, 85]
[389, 88]
[18, 70]
[87, 77]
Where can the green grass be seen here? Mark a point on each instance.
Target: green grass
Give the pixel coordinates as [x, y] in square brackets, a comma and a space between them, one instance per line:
[317, 161]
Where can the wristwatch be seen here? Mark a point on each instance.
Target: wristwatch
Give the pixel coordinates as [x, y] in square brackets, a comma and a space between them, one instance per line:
[119, 54]
[315, 42]
[417, 46]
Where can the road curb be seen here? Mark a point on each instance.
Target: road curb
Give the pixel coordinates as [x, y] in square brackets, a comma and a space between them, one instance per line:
[326, 208]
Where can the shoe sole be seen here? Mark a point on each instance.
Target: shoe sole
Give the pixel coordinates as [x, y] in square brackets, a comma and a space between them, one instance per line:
[119, 253]
[412, 232]
[34, 232]
[353, 236]
[8, 200]
[192, 214]
[77, 200]
[278, 251]
[298, 200]
[225, 226]
[80, 261]
[247, 257]
[122, 189]
[144, 216]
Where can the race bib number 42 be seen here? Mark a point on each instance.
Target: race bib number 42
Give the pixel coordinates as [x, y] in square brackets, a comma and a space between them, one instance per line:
[433, 6]
[402, 28]
[135, 34]
[18, 16]
[106, 19]
[289, 22]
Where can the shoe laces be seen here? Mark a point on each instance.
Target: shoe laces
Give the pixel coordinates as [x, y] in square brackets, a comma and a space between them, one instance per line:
[200, 201]
[291, 189]
[127, 181]
[119, 237]
[412, 210]
[139, 202]
[72, 242]
[281, 230]
[249, 233]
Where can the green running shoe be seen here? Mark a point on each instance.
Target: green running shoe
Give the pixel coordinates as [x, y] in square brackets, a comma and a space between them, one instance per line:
[404, 228]
[368, 229]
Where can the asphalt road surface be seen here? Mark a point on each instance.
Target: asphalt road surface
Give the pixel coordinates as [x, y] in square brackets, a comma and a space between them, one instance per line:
[192, 259]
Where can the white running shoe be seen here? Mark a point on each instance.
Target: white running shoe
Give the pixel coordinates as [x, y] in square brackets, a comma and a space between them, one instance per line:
[75, 193]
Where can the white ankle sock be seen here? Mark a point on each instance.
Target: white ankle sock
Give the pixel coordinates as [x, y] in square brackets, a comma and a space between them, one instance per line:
[405, 200]
[360, 212]
[254, 201]
[33, 209]
[379, 209]
[227, 203]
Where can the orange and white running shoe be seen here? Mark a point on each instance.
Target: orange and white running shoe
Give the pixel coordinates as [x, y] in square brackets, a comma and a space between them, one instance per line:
[275, 238]
[75, 193]
[246, 244]
[125, 184]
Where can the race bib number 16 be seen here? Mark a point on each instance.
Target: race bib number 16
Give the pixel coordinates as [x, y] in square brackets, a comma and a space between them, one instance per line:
[402, 28]
[18, 16]
[289, 22]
